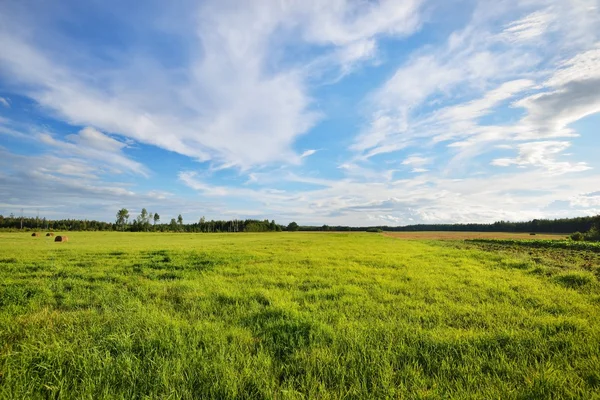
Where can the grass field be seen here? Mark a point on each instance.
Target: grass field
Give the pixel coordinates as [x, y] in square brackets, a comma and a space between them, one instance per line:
[295, 315]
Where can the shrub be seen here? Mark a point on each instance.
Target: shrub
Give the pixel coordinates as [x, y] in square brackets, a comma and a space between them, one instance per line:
[374, 230]
[593, 235]
[577, 236]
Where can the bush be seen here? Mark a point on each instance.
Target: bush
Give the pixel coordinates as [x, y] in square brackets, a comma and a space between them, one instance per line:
[374, 230]
[593, 235]
[577, 236]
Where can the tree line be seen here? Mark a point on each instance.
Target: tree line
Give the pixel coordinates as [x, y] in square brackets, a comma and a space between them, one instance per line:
[143, 222]
[13, 222]
[563, 225]
[151, 222]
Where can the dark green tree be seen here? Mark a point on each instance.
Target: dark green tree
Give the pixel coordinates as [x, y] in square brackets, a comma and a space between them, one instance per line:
[293, 226]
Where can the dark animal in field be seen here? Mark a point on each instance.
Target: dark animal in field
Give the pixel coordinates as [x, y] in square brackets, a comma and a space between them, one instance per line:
[61, 239]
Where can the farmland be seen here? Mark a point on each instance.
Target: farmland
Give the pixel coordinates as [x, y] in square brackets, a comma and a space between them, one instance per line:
[296, 315]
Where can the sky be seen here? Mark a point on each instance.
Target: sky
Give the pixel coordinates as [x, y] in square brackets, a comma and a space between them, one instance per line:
[338, 112]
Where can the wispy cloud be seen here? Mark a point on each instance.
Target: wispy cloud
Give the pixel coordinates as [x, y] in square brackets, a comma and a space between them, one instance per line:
[475, 60]
[542, 154]
[530, 27]
[308, 153]
[231, 96]
[91, 145]
[65, 187]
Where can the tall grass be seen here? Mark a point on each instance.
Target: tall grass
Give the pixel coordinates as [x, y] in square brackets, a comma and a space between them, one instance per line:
[289, 315]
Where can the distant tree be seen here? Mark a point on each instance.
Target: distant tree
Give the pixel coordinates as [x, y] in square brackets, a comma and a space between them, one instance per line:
[156, 218]
[293, 226]
[122, 218]
[143, 220]
[173, 224]
[180, 219]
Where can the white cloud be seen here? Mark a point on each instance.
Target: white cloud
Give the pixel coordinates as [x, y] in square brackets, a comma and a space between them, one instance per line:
[62, 187]
[4, 102]
[571, 93]
[442, 94]
[587, 200]
[416, 160]
[397, 121]
[542, 154]
[346, 22]
[361, 50]
[93, 139]
[7, 129]
[92, 145]
[308, 153]
[191, 179]
[530, 27]
[237, 93]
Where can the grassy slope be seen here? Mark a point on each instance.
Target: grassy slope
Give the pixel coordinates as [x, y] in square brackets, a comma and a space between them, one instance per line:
[290, 315]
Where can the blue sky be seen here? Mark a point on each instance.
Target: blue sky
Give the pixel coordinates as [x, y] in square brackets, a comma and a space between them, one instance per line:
[323, 112]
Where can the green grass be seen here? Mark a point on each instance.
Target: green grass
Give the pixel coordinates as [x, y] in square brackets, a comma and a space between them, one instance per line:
[293, 315]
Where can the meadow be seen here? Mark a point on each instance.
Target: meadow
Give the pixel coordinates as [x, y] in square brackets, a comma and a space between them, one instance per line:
[296, 316]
